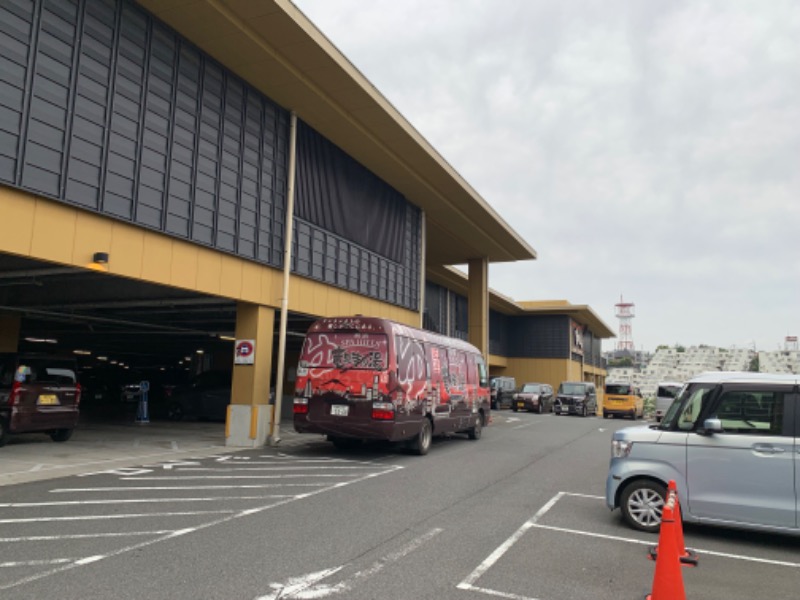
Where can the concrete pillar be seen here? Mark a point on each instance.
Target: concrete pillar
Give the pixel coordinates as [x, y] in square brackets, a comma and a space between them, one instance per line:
[478, 302]
[250, 411]
[9, 333]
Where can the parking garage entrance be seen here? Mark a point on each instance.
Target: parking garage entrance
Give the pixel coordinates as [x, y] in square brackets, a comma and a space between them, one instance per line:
[121, 332]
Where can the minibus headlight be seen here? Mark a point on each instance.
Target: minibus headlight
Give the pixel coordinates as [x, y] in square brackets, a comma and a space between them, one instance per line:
[620, 448]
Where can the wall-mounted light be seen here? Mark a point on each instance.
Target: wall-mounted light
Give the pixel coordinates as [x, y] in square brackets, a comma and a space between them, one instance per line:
[101, 258]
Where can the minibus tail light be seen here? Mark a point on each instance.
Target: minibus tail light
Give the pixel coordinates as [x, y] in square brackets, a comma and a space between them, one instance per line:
[383, 411]
[300, 406]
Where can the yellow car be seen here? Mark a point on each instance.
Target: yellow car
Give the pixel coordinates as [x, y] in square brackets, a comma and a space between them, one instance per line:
[623, 399]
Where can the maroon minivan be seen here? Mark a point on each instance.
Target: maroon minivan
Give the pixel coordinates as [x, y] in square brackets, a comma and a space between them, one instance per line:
[38, 394]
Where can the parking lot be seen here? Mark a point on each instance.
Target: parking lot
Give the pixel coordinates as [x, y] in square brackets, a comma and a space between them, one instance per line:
[553, 540]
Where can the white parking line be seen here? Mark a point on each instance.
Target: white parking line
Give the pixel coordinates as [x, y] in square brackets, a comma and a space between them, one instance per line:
[491, 560]
[281, 468]
[139, 501]
[505, 546]
[127, 488]
[230, 516]
[700, 551]
[81, 536]
[36, 563]
[193, 513]
[185, 477]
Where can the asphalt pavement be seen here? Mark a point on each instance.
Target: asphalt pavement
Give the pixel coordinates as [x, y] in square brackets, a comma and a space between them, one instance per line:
[100, 444]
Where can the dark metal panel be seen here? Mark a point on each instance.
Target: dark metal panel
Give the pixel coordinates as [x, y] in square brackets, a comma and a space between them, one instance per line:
[539, 336]
[498, 333]
[106, 108]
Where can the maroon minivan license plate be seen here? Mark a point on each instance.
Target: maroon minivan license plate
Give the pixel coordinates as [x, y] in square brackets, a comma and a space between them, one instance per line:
[47, 399]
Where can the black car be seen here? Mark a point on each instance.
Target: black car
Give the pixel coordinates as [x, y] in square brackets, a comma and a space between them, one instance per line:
[501, 390]
[534, 397]
[206, 396]
[576, 398]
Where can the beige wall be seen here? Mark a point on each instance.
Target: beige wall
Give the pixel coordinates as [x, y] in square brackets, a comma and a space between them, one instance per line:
[9, 333]
[47, 230]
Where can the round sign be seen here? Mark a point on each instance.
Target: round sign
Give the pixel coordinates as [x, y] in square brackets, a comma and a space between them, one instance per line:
[244, 349]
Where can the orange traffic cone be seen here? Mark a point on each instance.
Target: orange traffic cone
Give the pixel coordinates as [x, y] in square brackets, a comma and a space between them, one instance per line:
[668, 580]
[687, 557]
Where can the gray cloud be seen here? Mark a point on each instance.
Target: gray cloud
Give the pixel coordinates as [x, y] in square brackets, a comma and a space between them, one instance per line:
[649, 149]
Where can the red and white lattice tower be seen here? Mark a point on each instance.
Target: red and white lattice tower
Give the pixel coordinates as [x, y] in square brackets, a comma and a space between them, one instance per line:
[625, 313]
[791, 343]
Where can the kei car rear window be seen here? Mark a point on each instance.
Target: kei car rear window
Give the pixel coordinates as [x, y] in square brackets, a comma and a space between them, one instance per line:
[619, 389]
[42, 370]
[573, 388]
[346, 351]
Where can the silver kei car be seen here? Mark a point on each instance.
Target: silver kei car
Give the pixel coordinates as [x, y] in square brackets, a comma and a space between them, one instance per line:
[729, 441]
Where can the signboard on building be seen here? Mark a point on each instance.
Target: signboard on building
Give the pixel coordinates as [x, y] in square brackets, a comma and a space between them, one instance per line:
[576, 337]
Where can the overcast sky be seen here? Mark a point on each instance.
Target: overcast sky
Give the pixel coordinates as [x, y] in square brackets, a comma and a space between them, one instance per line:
[645, 149]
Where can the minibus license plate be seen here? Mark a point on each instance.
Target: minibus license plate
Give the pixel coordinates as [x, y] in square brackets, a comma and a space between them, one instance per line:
[339, 410]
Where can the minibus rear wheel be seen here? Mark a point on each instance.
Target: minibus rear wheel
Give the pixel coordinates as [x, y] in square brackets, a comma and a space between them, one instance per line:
[422, 443]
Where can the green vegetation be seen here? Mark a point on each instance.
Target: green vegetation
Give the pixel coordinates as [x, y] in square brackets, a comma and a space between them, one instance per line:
[625, 361]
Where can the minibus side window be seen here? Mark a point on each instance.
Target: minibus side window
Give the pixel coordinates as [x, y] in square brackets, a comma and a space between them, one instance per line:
[458, 367]
[411, 363]
[483, 376]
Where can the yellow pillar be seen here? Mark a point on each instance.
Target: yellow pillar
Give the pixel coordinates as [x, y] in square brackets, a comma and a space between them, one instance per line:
[249, 413]
[478, 302]
[9, 333]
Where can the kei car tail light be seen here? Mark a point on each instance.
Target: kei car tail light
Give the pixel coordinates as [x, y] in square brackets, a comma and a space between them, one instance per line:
[300, 406]
[15, 393]
[383, 411]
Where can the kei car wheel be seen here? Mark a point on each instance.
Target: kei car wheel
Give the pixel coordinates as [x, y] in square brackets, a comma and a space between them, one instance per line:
[584, 411]
[60, 435]
[641, 504]
[539, 408]
[422, 443]
[475, 432]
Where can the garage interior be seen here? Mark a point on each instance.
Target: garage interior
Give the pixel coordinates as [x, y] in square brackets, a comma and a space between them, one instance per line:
[123, 331]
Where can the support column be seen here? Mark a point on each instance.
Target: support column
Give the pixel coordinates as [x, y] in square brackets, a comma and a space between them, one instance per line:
[478, 302]
[9, 333]
[249, 414]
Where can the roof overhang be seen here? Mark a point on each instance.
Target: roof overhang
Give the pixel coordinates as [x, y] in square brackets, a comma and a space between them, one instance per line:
[276, 49]
[457, 281]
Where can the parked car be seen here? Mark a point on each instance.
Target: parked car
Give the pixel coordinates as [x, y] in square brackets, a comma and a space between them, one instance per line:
[38, 394]
[534, 397]
[623, 400]
[206, 396]
[576, 398]
[501, 390]
[665, 395]
[728, 442]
